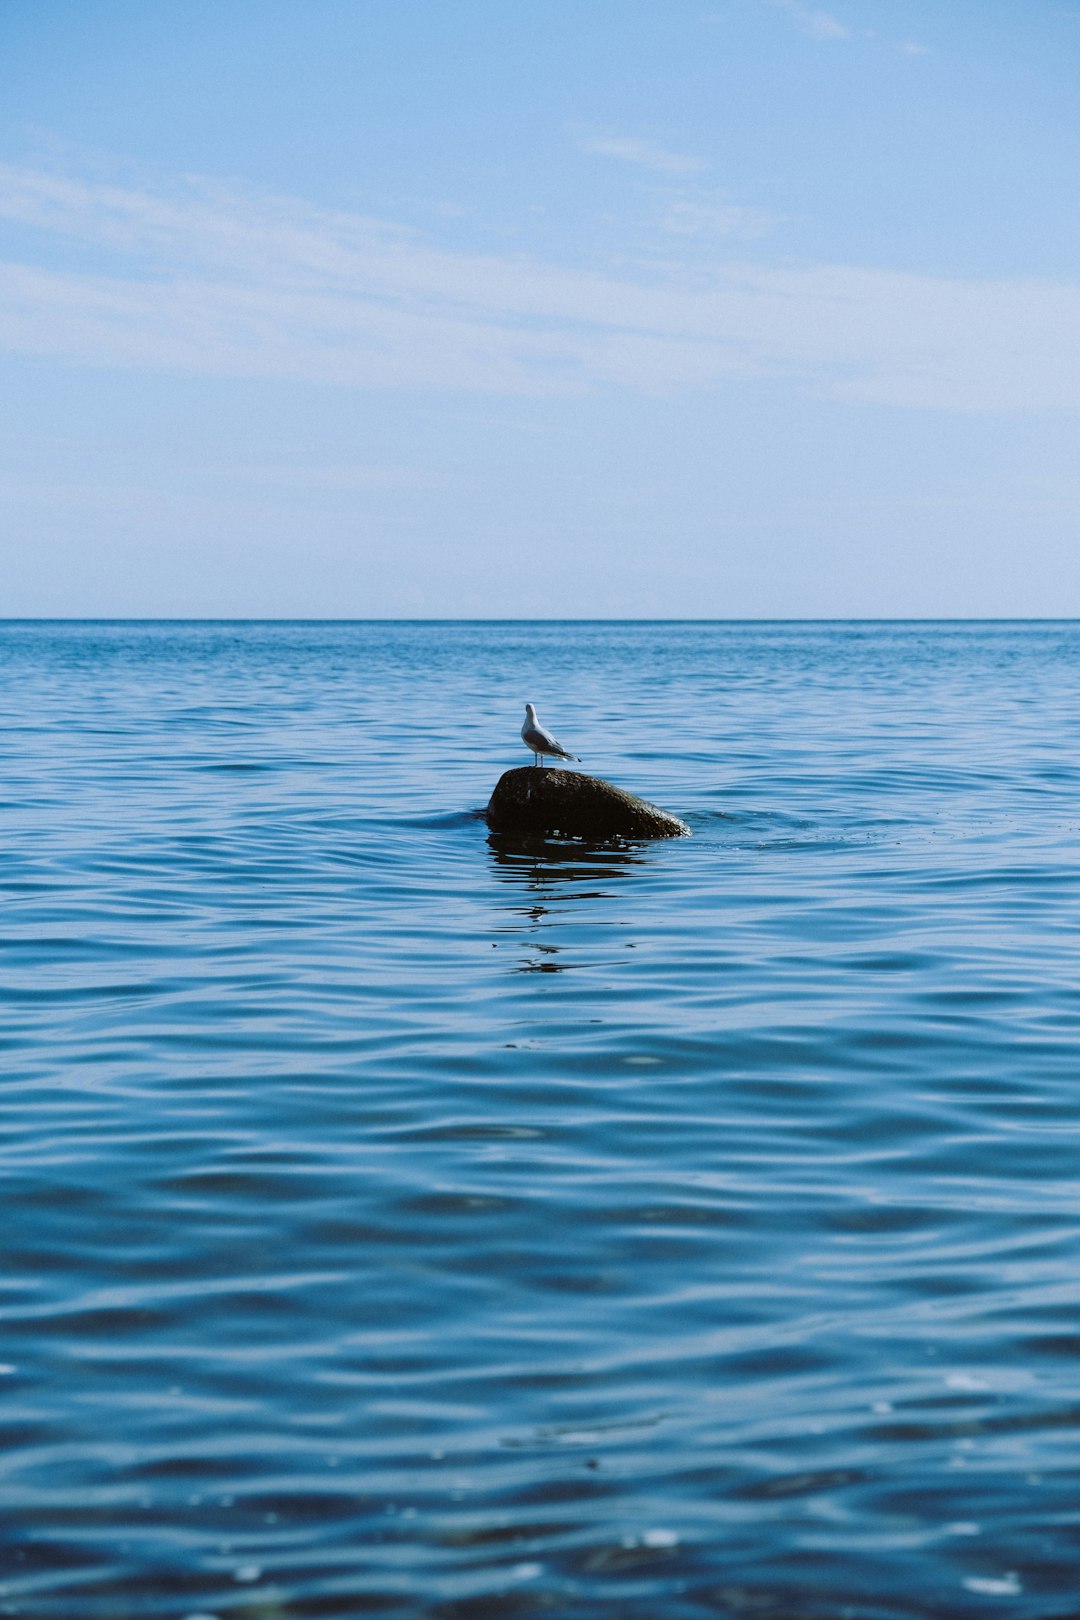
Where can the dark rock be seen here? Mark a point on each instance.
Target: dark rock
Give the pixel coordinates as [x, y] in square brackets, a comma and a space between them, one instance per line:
[531, 799]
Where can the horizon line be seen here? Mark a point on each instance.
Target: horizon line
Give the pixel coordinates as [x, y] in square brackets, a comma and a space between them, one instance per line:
[134, 618]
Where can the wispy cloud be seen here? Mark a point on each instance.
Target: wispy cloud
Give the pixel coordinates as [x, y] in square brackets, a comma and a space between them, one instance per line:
[822, 25]
[353, 479]
[646, 154]
[815, 24]
[715, 217]
[212, 281]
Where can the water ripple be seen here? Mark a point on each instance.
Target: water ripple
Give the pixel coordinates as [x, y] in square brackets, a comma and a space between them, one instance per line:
[404, 1220]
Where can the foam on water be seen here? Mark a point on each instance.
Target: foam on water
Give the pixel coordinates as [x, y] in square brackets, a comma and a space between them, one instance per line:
[404, 1221]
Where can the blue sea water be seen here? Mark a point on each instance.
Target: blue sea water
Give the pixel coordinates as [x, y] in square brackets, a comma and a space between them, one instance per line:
[402, 1222]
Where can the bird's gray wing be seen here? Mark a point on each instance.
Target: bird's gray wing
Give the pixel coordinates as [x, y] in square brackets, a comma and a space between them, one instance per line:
[541, 741]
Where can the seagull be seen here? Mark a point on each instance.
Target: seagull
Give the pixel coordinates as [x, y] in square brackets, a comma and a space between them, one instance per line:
[540, 741]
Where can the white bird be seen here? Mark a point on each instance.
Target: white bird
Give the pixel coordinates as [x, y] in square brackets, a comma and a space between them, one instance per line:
[540, 741]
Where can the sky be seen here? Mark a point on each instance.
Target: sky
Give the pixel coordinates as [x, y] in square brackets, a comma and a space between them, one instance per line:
[539, 308]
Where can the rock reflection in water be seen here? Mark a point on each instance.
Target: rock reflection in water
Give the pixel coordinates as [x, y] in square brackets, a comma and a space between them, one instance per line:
[566, 873]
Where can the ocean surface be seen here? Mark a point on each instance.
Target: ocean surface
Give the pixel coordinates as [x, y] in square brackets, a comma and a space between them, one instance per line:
[398, 1221]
